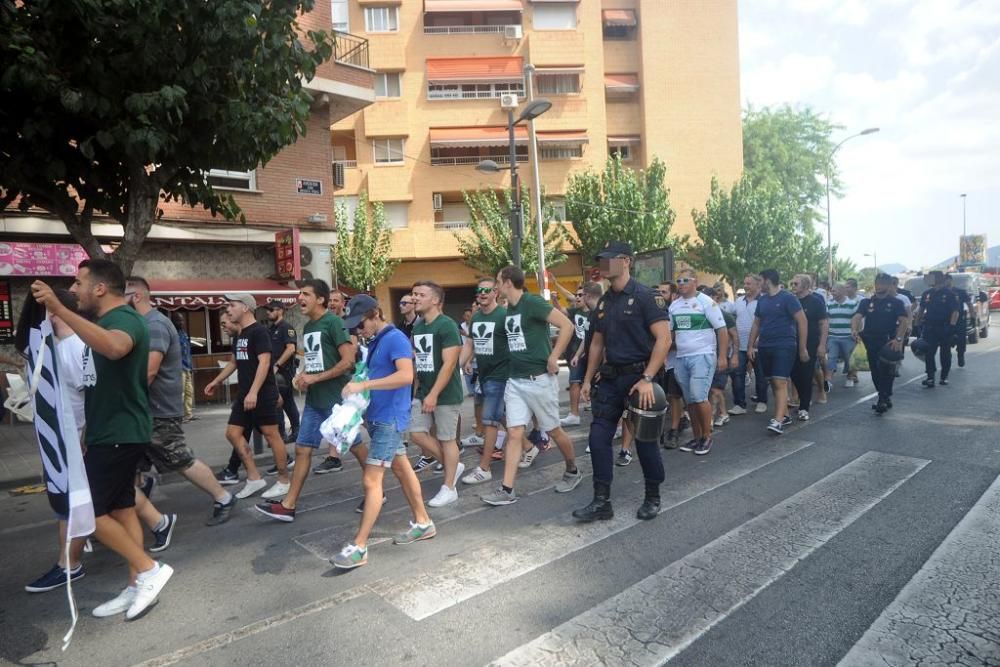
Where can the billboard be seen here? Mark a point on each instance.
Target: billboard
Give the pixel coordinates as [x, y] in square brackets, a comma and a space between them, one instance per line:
[654, 267]
[972, 250]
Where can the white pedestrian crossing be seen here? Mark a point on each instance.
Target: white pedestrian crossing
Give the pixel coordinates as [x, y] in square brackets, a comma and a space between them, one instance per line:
[653, 620]
[510, 556]
[949, 612]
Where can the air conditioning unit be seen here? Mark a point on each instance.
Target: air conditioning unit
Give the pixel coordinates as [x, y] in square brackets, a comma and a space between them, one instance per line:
[508, 101]
[438, 201]
[338, 174]
[512, 32]
[315, 260]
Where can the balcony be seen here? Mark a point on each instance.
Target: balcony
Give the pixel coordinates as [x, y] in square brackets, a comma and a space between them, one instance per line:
[492, 17]
[462, 160]
[470, 29]
[350, 49]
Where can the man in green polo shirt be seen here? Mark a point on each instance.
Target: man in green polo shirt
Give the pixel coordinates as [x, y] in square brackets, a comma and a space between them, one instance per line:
[533, 388]
[119, 425]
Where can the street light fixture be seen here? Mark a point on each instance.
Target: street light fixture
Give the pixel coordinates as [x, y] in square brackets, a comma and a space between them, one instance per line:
[534, 109]
[874, 257]
[963, 213]
[829, 236]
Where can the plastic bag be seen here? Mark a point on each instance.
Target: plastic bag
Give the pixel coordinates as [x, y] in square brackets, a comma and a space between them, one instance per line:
[342, 428]
[859, 358]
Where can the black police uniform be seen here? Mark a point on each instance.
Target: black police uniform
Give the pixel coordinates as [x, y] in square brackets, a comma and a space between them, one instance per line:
[282, 333]
[961, 339]
[881, 321]
[623, 318]
[938, 304]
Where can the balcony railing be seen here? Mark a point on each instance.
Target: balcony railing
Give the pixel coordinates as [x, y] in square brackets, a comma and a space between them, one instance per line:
[472, 94]
[450, 226]
[348, 164]
[350, 49]
[475, 159]
[463, 29]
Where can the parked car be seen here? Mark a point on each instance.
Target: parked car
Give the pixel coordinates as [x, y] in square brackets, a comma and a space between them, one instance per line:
[995, 301]
[977, 326]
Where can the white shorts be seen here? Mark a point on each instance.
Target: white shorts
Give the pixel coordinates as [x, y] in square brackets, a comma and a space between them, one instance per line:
[538, 396]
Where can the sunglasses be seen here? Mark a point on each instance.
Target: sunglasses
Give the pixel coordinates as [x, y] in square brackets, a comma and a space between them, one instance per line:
[484, 290]
[406, 303]
[684, 281]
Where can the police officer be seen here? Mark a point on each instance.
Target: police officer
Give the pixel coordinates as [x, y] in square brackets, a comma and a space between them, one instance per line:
[881, 319]
[630, 339]
[961, 338]
[283, 353]
[938, 316]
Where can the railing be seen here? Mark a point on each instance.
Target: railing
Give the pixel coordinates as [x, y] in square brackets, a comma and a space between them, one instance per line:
[474, 159]
[450, 226]
[464, 29]
[348, 164]
[472, 94]
[350, 49]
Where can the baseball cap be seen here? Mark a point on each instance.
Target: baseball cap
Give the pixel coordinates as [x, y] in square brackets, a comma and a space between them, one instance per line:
[242, 297]
[356, 309]
[614, 249]
[274, 304]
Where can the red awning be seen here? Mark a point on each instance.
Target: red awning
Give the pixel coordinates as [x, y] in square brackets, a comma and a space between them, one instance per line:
[472, 6]
[621, 82]
[562, 137]
[619, 17]
[475, 69]
[629, 139]
[198, 294]
[468, 137]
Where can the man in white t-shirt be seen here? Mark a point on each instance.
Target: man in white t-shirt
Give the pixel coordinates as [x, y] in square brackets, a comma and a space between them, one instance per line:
[746, 309]
[701, 340]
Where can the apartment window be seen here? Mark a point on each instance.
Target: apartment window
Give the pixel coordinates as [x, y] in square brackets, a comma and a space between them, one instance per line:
[455, 215]
[396, 214]
[388, 151]
[233, 180]
[387, 84]
[341, 16]
[382, 19]
[345, 207]
[564, 153]
[554, 16]
[558, 206]
[623, 151]
[558, 84]
[472, 91]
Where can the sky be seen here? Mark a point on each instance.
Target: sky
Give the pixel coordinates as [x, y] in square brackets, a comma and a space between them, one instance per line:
[927, 73]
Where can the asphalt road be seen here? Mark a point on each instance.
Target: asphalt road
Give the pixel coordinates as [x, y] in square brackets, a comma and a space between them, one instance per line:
[853, 539]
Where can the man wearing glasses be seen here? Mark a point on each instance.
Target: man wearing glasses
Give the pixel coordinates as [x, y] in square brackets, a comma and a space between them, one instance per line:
[408, 315]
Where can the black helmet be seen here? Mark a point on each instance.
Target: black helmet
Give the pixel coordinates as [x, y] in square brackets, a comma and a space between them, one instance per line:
[659, 400]
[920, 348]
[890, 355]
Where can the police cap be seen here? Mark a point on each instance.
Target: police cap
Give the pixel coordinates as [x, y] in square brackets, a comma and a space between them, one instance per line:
[615, 249]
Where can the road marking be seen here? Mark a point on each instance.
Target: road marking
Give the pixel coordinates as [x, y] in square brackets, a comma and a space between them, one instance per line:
[507, 557]
[653, 620]
[947, 613]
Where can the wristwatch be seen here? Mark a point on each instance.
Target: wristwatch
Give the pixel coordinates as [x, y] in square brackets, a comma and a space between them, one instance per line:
[647, 378]
[899, 339]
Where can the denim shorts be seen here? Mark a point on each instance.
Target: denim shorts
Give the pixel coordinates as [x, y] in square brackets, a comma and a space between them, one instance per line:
[839, 348]
[694, 374]
[386, 444]
[577, 373]
[492, 392]
[777, 362]
[309, 435]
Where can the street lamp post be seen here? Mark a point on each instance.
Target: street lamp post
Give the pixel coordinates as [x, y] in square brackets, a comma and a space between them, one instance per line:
[963, 213]
[874, 257]
[530, 112]
[829, 232]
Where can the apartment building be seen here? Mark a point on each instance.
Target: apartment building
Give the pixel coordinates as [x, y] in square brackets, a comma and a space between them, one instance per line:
[639, 78]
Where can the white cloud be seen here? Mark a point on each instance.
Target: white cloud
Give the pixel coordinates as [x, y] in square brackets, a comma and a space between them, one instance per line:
[795, 78]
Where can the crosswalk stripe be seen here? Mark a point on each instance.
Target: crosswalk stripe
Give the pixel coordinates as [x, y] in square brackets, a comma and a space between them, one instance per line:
[947, 613]
[507, 557]
[656, 618]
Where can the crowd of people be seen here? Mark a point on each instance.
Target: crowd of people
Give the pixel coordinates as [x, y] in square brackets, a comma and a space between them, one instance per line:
[127, 369]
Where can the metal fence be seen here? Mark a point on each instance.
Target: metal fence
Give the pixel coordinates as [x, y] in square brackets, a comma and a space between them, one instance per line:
[350, 49]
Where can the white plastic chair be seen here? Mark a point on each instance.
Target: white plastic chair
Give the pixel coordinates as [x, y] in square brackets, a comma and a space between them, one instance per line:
[229, 381]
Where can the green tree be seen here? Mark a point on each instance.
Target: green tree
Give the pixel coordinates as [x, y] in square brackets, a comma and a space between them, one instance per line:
[109, 105]
[486, 244]
[791, 146]
[743, 230]
[621, 204]
[843, 267]
[364, 249]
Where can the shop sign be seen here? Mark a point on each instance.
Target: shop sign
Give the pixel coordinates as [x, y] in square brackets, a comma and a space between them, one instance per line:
[306, 186]
[6, 314]
[40, 259]
[287, 255]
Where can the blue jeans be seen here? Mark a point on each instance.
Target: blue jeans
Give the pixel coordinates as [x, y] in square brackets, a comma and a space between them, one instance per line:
[740, 382]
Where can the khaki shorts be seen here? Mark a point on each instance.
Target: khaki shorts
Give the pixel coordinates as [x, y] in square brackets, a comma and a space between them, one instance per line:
[444, 419]
[168, 449]
[538, 396]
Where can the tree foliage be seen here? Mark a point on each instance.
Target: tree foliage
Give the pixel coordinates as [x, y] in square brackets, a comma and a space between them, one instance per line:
[486, 244]
[843, 267]
[621, 204]
[792, 148]
[364, 249]
[111, 104]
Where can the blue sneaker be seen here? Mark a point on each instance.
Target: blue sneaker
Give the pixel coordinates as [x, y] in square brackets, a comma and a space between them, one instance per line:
[53, 579]
[162, 537]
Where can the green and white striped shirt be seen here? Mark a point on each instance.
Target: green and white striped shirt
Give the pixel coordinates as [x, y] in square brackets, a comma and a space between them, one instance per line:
[840, 315]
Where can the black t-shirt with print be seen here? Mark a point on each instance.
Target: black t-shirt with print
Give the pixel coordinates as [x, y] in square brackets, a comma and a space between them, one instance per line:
[252, 342]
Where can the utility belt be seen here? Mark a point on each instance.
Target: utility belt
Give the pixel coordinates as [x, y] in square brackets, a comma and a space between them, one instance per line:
[612, 371]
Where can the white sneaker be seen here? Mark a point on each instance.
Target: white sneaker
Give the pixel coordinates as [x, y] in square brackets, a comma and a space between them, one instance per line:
[472, 441]
[761, 408]
[251, 487]
[279, 490]
[149, 585]
[587, 450]
[501, 438]
[721, 420]
[444, 497]
[459, 471]
[803, 415]
[618, 432]
[528, 457]
[848, 383]
[570, 420]
[118, 605]
[737, 410]
[477, 476]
